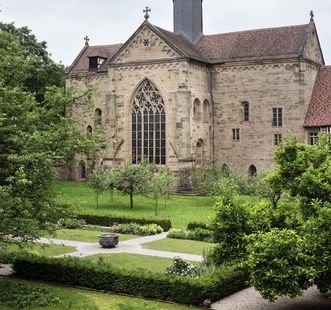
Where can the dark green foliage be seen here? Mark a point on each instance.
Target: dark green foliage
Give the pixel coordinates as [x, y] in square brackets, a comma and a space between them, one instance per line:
[198, 234]
[21, 296]
[111, 220]
[194, 225]
[230, 225]
[280, 264]
[77, 272]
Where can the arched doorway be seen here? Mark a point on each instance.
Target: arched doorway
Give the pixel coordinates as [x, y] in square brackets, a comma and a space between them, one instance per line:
[148, 125]
[82, 170]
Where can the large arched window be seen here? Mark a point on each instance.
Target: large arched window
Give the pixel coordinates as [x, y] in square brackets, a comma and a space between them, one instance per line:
[148, 126]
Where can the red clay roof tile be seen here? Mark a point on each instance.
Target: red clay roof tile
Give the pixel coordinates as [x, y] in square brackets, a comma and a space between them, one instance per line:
[254, 44]
[319, 110]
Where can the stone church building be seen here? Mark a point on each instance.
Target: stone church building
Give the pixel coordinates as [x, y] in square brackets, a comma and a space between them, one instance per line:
[181, 98]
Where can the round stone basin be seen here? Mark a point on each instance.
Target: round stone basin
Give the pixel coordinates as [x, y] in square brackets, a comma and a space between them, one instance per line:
[108, 240]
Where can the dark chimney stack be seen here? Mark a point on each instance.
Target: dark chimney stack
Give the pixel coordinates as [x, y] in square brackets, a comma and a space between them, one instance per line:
[188, 20]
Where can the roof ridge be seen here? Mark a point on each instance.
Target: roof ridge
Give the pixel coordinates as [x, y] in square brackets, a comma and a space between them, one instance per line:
[255, 29]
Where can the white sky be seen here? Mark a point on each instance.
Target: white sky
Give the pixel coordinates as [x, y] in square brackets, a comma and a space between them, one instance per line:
[64, 23]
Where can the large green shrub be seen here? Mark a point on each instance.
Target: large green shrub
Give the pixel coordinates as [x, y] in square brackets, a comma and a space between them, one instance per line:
[108, 220]
[77, 272]
[198, 234]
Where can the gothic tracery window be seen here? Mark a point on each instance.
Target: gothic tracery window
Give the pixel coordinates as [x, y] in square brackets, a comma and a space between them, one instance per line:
[148, 126]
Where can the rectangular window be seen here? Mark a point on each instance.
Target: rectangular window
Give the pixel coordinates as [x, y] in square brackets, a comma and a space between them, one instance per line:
[325, 130]
[236, 134]
[277, 117]
[312, 138]
[278, 139]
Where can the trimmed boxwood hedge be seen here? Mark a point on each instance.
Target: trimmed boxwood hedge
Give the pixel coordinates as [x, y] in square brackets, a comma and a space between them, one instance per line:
[77, 272]
[194, 225]
[102, 220]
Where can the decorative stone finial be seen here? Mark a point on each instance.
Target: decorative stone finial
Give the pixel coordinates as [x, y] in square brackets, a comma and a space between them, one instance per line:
[311, 15]
[86, 40]
[146, 11]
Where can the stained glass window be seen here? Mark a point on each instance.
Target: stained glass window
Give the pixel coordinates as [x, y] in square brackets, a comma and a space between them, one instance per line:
[148, 126]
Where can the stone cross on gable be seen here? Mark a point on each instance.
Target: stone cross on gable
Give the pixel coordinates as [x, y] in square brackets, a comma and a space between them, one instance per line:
[311, 15]
[86, 40]
[146, 11]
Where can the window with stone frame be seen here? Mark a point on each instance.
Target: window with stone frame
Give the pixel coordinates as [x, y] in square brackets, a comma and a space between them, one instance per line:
[235, 134]
[277, 117]
[312, 138]
[278, 139]
[245, 111]
[326, 131]
[148, 126]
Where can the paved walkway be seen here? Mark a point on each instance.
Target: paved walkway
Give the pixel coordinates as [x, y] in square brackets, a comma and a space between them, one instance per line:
[249, 299]
[132, 246]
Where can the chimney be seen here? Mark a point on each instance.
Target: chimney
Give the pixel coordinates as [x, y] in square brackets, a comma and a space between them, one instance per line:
[188, 20]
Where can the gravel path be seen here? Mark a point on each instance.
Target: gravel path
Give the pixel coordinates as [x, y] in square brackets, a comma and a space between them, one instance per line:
[132, 246]
[249, 299]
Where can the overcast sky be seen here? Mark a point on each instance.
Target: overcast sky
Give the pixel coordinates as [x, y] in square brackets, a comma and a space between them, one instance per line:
[64, 23]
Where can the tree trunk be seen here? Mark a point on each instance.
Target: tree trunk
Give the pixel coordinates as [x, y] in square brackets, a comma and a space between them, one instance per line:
[156, 206]
[111, 197]
[131, 198]
[97, 200]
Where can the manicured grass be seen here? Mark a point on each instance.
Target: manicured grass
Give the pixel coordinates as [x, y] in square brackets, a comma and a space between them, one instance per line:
[77, 299]
[42, 249]
[134, 261]
[179, 209]
[178, 246]
[86, 235]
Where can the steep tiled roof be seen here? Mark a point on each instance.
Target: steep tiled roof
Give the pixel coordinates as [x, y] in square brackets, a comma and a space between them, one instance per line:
[235, 46]
[81, 64]
[186, 46]
[319, 110]
[253, 44]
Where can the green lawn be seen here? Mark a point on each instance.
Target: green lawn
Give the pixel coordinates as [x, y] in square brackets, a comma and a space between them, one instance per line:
[85, 235]
[42, 249]
[179, 209]
[74, 299]
[178, 246]
[134, 261]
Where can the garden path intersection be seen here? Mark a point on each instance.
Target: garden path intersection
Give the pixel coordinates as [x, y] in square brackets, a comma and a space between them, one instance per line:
[246, 299]
[132, 246]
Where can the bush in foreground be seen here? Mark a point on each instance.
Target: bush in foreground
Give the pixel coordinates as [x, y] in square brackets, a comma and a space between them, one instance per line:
[83, 273]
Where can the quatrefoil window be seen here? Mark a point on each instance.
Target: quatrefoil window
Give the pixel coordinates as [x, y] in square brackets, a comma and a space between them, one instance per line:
[146, 42]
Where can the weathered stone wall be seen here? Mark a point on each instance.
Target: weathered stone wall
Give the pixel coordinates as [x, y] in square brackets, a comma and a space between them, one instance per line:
[264, 86]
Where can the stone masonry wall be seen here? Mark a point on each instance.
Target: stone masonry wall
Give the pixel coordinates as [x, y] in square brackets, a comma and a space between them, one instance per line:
[264, 86]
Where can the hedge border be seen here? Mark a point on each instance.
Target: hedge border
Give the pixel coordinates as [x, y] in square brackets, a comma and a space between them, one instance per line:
[108, 220]
[76, 272]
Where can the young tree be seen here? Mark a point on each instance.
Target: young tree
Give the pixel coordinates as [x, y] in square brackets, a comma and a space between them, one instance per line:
[97, 181]
[161, 183]
[207, 179]
[134, 179]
